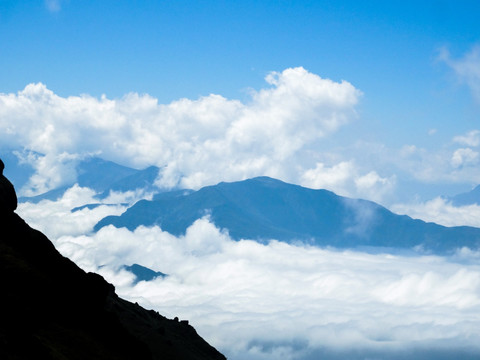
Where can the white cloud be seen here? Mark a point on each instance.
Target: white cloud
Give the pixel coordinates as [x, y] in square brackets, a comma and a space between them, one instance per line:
[53, 5]
[466, 68]
[51, 171]
[333, 178]
[346, 179]
[446, 165]
[316, 300]
[442, 212]
[464, 157]
[374, 187]
[472, 138]
[199, 142]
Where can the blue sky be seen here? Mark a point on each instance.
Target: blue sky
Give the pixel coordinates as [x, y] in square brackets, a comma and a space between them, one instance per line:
[400, 55]
[172, 49]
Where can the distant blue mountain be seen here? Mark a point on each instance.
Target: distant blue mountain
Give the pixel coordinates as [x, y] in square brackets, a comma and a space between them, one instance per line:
[141, 179]
[469, 198]
[99, 174]
[104, 176]
[263, 208]
[143, 273]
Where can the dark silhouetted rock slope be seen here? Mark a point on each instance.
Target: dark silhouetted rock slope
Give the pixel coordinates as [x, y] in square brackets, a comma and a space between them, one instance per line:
[51, 309]
[8, 197]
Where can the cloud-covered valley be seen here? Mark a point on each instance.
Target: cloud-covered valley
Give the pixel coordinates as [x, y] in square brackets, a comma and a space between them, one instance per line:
[275, 300]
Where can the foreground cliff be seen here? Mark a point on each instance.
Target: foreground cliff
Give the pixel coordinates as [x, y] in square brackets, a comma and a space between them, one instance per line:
[51, 309]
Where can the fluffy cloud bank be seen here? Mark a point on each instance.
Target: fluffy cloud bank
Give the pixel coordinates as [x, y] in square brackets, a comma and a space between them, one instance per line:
[271, 301]
[278, 301]
[196, 142]
[345, 179]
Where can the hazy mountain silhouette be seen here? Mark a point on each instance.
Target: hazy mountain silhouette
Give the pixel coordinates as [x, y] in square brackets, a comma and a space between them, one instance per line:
[143, 273]
[104, 176]
[51, 309]
[263, 208]
[468, 198]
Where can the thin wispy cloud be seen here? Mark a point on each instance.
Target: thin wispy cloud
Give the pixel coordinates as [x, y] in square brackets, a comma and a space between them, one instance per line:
[467, 68]
[441, 211]
[471, 138]
[53, 5]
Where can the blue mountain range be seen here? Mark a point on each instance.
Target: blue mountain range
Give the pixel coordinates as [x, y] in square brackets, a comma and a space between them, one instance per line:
[104, 176]
[471, 197]
[263, 208]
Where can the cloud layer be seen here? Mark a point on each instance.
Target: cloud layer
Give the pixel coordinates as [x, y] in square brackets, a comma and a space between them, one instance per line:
[235, 293]
[271, 301]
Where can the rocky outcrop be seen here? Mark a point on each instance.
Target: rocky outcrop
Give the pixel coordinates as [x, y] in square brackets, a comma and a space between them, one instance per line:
[8, 197]
[51, 309]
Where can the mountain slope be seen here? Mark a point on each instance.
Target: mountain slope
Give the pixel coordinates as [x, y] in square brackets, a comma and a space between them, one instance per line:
[468, 198]
[264, 208]
[142, 179]
[51, 309]
[104, 176]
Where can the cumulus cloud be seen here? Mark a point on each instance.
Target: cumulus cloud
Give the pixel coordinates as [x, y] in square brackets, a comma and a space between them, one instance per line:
[464, 157]
[466, 68]
[51, 171]
[346, 179]
[318, 301]
[198, 142]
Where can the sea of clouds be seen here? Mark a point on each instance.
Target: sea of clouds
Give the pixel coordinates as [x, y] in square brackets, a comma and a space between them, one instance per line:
[275, 300]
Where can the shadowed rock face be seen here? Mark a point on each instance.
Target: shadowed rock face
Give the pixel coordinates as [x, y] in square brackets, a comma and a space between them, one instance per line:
[51, 309]
[8, 197]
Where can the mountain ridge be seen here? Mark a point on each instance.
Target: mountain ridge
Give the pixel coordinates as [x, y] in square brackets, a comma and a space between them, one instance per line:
[103, 176]
[263, 208]
[471, 197]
